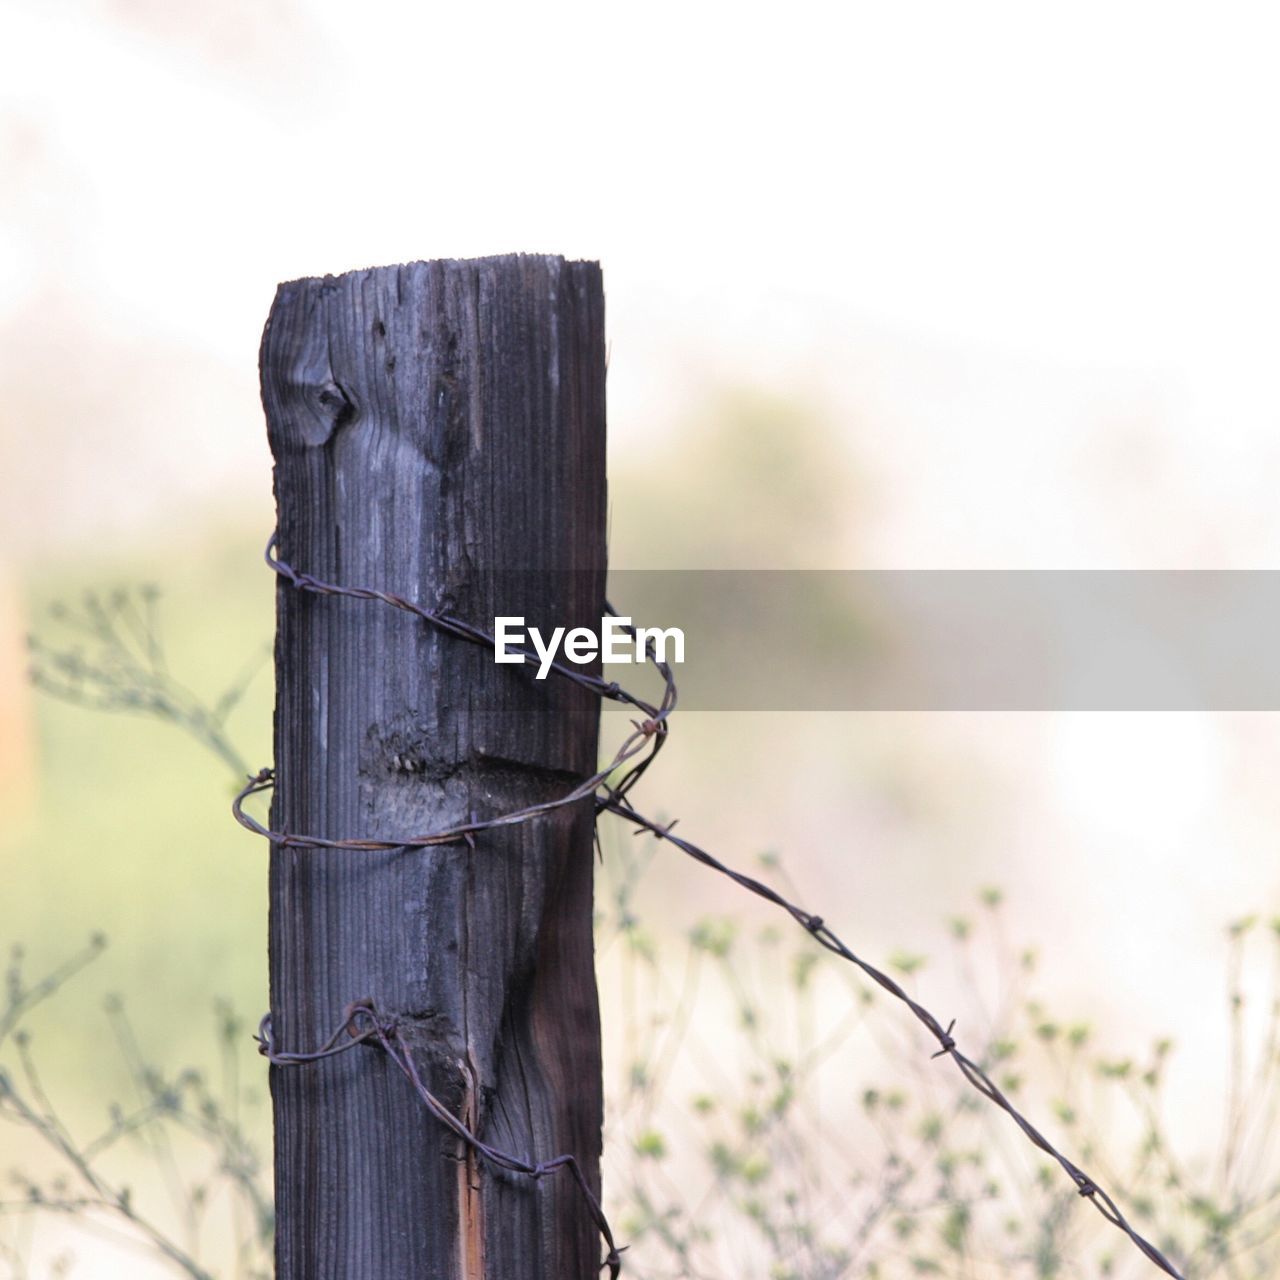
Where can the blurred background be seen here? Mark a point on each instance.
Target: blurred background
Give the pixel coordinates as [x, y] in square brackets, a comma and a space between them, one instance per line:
[911, 286]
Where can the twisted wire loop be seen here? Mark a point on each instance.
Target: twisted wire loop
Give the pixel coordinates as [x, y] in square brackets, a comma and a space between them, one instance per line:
[610, 788]
[634, 755]
[363, 1024]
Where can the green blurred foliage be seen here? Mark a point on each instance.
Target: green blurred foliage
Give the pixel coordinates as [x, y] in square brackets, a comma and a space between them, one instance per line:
[129, 830]
[750, 481]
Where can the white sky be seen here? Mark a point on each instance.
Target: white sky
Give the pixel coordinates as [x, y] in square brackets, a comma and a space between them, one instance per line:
[1070, 212]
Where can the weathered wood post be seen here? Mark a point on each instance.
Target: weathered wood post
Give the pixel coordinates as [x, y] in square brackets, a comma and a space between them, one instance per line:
[438, 431]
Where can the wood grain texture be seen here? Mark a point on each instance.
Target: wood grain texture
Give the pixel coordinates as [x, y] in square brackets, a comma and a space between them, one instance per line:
[438, 431]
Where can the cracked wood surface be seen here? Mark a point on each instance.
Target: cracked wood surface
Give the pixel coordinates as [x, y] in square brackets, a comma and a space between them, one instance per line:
[438, 430]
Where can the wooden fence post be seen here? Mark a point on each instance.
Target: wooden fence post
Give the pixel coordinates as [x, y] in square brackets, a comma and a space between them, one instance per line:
[438, 432]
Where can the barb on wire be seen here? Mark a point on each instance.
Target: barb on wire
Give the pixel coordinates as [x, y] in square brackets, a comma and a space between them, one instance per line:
[972, 1072]
[610, 788]
[645, 740]
[362, 1024]
[476, 635]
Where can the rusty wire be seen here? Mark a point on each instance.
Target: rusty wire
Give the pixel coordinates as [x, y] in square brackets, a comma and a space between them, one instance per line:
[629, 762]
[363, 1024]
[644, 741]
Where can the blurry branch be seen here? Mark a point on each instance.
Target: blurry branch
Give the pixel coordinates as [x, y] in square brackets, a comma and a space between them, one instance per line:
[112, 658]
[726, 1161]
[751, 1140]
[82, 1189]
[20, 999]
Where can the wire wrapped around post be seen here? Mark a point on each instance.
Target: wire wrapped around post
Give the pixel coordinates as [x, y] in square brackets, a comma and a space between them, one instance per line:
[611, 787]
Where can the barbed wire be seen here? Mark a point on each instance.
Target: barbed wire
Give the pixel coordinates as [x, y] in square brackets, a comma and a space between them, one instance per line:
[363, 1024]
[610, 788]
